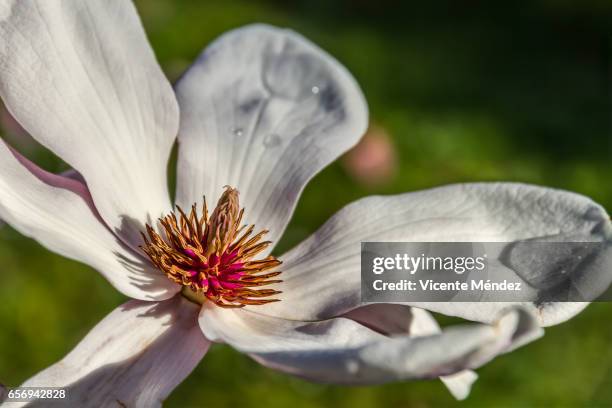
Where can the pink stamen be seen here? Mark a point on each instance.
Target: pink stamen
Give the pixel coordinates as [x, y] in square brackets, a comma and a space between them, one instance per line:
[211, 257]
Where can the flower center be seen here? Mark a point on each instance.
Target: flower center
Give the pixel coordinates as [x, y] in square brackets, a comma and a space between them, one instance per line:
[213, 257]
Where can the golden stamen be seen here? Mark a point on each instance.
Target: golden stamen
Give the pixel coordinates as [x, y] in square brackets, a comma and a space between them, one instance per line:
[213, 257]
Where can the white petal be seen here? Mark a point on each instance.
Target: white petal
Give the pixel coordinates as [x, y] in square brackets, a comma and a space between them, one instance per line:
[399, 319]
[134, 357]
[342, 351]
[384, 318]
[263, 110]
[80, 77]
[460, 384]
[424, 324]
[322, 274]
[57, 212]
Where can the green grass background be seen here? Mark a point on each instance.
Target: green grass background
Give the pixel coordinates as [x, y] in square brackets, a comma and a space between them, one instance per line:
[468, 91]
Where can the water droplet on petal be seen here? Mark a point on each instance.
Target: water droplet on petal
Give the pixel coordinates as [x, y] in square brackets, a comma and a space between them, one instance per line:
[296, 75]
[237, 131]
[272, 140]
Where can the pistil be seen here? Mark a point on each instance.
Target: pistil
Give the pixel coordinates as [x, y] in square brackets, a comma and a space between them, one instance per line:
[214, 258]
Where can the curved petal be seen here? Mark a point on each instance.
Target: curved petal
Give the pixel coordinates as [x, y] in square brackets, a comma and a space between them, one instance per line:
[74, 175]
[460, 383]
[263, 110]
[322, 274]
[80, 77]
[57, 212]
[424, 324]
[388, 319]
[393, 319]
[134, 357]
[342, 351]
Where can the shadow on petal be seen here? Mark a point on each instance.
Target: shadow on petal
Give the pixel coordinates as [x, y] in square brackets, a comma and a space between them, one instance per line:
[156, 344]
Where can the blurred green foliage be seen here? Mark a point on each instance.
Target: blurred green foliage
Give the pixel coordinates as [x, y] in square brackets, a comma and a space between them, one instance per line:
[468, 91]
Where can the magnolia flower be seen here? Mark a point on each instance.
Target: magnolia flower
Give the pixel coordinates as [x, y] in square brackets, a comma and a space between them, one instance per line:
[262, 110]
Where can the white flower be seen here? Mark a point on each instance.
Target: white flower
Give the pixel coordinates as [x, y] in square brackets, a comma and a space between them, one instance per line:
[262, 110]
